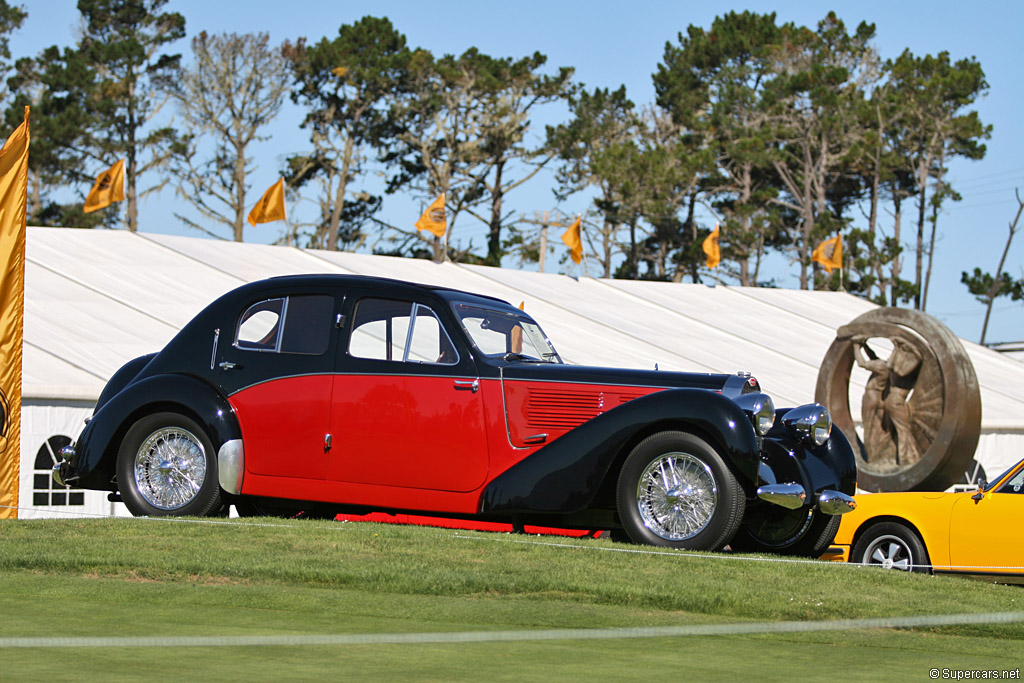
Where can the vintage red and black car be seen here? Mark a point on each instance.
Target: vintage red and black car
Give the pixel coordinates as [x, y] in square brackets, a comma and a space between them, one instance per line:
[332, 394]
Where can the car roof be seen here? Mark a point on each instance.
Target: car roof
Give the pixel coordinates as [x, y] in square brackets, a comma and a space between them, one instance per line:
[315, 279]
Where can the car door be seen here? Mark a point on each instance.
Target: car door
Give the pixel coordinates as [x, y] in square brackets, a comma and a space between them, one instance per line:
[406, 410]
[276, 368]
[987, 532]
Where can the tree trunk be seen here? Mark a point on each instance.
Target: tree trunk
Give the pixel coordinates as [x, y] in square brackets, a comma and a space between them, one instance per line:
[494, 251]
[999, 270]
[239, 180]
[896, 230]
[132, 170]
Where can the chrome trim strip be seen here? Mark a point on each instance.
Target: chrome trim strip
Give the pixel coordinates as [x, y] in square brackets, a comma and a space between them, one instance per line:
[231, 466]
[610, 384]
[469, 378]
[790, 496]
[504, 412]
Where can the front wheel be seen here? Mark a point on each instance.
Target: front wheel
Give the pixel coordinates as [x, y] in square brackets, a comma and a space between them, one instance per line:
[774, 529]
[675, 491]
[165, 466]
[891, 545]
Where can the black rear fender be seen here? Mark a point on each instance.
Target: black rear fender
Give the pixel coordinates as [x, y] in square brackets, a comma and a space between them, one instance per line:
[96, 450]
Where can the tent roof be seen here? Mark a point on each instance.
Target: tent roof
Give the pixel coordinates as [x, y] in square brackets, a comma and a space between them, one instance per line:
[96, 299]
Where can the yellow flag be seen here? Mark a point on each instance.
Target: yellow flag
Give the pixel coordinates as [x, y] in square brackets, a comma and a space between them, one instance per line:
[829, 253]
[13, 191]
[270, 207]
[571, 237]
[433, 219]
[108, 188]
[711, 249]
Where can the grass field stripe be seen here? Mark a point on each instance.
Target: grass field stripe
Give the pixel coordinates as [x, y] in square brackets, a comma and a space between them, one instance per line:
[513, 636]
[726, 556]
[503, 537]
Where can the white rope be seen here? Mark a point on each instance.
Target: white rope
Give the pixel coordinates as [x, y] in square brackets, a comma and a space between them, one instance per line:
[704, 630]
[506, 537]
[182, 520]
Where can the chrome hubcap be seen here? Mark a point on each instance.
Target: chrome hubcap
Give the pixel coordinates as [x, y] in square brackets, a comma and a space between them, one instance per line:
[170, 468]
[676, 496]
[889, 552]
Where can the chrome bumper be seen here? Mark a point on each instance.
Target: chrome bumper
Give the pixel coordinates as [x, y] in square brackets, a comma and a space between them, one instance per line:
[60, 470]
[792, 496]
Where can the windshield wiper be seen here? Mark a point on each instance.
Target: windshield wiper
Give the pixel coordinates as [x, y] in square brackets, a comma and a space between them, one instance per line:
[524, 359]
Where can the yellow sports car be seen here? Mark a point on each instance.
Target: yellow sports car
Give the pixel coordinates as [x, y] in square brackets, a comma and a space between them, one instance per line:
[971, 532]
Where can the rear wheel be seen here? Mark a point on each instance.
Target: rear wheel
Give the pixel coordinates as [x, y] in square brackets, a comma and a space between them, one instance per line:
[675, 491]
[891, 545]
[165, 467]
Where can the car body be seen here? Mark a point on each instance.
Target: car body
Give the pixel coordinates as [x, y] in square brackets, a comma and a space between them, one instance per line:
[976, 533]
[332, 394]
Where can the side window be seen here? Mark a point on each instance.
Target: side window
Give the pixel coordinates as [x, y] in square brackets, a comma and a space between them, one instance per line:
[307, 324]
[296, 324]
[258, 328]
[385, 329]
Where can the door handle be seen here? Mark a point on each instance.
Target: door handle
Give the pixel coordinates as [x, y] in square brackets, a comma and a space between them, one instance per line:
[463, 385]
[228, 365]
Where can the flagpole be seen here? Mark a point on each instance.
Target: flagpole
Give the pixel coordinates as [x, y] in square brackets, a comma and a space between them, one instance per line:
[586, 271]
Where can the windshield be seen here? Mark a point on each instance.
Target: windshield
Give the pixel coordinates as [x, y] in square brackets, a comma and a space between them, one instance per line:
[506, 334]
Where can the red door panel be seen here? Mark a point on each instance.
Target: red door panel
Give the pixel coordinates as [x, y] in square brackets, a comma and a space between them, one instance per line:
[283, 424]
[409, 431]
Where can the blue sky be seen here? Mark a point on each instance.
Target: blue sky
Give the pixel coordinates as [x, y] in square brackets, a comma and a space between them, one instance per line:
[611, 44]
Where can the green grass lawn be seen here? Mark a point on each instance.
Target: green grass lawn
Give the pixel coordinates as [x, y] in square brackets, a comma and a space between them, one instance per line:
[161, 580]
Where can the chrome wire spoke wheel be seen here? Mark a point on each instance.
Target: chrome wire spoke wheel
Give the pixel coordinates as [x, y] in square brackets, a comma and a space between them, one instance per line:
[890, 552]
[676, 496]
[170, 468]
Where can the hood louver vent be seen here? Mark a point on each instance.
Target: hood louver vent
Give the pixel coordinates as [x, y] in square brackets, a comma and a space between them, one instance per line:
[554, 409]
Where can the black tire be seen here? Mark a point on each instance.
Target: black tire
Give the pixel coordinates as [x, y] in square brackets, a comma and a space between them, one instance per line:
[774, 529]
[700, 509]
[166, 466]
[891, 545]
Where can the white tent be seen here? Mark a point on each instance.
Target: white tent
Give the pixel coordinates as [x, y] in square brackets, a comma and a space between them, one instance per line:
[96, 299]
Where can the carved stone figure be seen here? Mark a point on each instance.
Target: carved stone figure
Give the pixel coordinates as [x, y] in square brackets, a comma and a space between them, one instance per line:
[920, 406]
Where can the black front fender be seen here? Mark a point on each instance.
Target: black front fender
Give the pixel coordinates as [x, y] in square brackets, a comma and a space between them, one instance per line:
[831, 465]
[95, 456]
[564, 476]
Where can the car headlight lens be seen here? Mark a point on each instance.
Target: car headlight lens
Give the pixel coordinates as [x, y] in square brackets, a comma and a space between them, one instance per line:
[812, 421]
[761, 409]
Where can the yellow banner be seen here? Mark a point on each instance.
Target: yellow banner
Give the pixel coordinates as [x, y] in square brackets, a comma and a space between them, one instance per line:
[108, 188]
[711, 249]
[13, 188]
[829, 254]
[434, 219]
[270, 207]
[571, 237]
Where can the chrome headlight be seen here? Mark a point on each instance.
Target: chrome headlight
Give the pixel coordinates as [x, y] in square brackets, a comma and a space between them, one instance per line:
[760, 408]
[812, 422]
